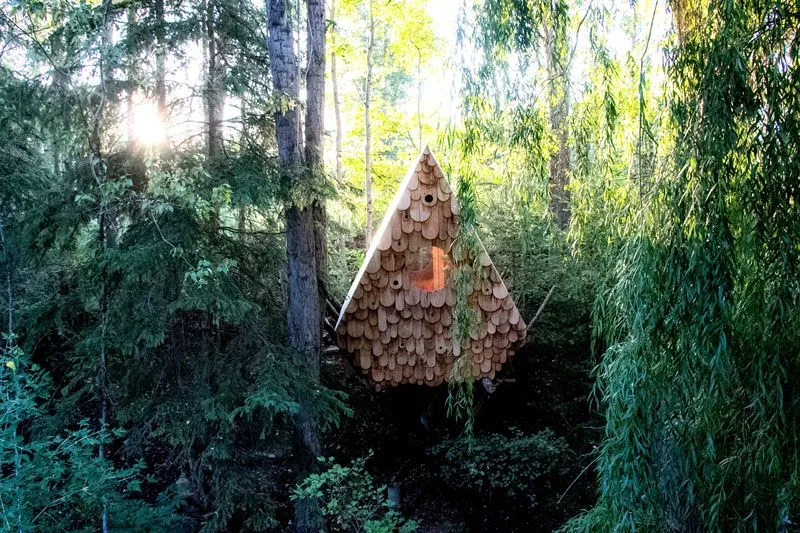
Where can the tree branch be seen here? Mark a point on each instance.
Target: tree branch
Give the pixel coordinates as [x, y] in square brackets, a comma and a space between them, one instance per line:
[541, 308]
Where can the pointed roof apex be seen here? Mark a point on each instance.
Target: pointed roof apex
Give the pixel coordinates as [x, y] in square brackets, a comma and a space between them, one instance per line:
[397, 319]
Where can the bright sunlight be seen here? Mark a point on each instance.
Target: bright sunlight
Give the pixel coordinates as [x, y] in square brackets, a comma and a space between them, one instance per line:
[147, 126]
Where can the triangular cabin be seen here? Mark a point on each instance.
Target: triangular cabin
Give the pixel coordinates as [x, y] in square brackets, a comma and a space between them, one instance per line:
[397, 318]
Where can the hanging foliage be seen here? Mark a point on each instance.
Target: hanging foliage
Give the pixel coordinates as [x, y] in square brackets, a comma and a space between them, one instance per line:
[702, 321]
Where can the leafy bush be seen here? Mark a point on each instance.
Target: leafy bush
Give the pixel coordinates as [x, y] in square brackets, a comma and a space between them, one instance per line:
[516, 467]
[351, 501]
[57, 482]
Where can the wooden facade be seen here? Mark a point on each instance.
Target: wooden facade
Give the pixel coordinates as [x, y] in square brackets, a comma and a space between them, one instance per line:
[397, 319]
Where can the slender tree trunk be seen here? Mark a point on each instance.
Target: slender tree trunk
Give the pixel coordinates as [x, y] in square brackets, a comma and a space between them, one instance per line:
[687, 16]
[214, 97]
[55, 148]
[135, 152]
[315, 84]
[367, 142]
[336, 104]
[242, 217]
[61, 82]
[303, 306]
[101, 372]
[15, 377]
[315, 131]
[102, 95]
[161, 61]
[7, 265]
[419, 96]
[161, 71]
[132, 70]
[559, 114]
[105, 232]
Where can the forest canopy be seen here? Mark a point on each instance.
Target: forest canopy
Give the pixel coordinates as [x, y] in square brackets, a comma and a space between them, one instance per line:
[188, 190]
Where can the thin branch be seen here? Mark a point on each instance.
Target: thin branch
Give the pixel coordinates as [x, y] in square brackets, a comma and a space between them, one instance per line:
[541, 308]
[9, 340]
[642, 110]
[35, 42]
[163, 238]
[577, 34]
[250, 232]
[578, 477]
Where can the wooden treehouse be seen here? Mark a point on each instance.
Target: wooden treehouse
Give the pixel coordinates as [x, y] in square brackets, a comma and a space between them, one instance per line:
[397, 318]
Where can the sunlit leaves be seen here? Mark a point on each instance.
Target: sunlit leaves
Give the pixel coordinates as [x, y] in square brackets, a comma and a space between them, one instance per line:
[701, 352]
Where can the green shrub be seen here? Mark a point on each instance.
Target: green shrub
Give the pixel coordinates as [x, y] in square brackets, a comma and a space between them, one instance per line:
[351, 501]
[518, 468]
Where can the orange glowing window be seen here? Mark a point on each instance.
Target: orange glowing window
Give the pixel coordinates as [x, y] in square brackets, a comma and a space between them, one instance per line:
[429, 269]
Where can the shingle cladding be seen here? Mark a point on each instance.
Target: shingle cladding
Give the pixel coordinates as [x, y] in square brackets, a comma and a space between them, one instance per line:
[399, 328]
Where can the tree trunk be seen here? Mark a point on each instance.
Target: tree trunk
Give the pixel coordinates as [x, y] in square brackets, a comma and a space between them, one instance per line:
[303, 317]
[559, 113]
[214, 97]
[106, 231]
[320, 214]
[303, 306]
[132, 70]
[55, 148]
[61, 83]
[419, 96]
[367, 142]
[101, 371]
[315, 130]
[283, 66]
[161, 60]
[6, 262]
[686, 17]
[315, 83]
[336, 105]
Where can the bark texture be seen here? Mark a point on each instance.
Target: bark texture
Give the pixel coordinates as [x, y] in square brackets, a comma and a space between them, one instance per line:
[315, 130]
[303, 306]
[283, 67]
[559, 113]
[315, 83]
[215, 96]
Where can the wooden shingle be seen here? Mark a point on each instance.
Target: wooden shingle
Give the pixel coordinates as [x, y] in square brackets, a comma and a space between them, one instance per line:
[397, 319]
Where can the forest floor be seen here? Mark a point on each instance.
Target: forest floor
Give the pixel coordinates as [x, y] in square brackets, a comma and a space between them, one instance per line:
[401, 428]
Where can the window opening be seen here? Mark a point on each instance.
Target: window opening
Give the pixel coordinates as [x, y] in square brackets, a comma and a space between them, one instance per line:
[429, 268]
